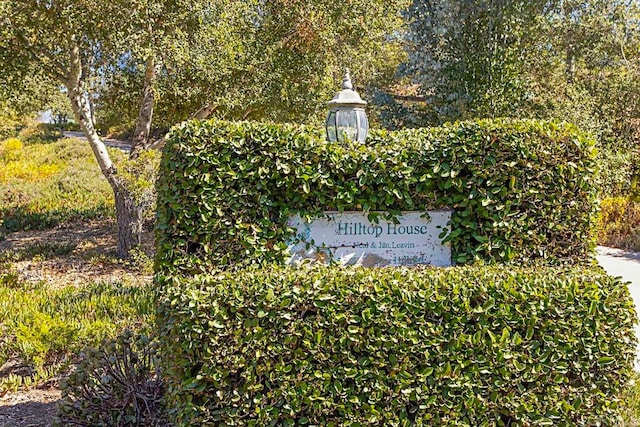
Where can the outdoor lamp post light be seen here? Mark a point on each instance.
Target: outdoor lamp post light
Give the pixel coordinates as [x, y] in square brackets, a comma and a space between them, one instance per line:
[347, 120]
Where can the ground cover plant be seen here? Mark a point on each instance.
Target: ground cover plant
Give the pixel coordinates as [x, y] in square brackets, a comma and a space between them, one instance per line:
[44, 183]
[62, 289]
[67, 297]
[45, 327]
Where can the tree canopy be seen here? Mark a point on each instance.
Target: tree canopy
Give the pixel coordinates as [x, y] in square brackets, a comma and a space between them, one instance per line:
[268, 59]
[572, 59]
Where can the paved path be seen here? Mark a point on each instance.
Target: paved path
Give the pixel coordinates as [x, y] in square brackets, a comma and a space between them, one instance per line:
[624, 264]
[122, 145]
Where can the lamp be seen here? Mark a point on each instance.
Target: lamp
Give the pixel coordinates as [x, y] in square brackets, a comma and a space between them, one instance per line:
[347, 120]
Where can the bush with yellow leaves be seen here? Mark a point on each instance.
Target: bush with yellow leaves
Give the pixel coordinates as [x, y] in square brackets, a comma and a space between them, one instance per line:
[11, 149]
[620, 223]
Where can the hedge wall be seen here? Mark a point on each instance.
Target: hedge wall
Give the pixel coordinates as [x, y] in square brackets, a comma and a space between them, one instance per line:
[520, 189]
[396, 346]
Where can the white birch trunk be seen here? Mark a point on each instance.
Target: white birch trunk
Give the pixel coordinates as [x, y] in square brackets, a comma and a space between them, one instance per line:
[129, 216]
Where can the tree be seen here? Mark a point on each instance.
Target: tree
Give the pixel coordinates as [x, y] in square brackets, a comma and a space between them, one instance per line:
[308, 44]
[575, 60]
[589, 67]
[23, 97]
[271, 59]
[589, 73]
[74, 43]
[276, 59]
[468, 57]
[562, 58]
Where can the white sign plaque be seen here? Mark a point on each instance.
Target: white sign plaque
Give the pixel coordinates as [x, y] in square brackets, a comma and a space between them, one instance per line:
[351, 239]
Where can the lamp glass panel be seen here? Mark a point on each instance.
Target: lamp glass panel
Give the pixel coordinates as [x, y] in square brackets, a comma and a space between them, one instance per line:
[346, 125]
[331, 126]
[364, 126]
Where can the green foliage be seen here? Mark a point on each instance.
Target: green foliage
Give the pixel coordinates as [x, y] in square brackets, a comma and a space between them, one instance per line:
[34, 133]
[45, 326]
[575, 60]
[44, 184]
[140, 261]
[14, 383]
[619, 223]
[520, 190]
[139, 176]
[397, 346]
[618, 172]
[117, 384]
[297, 53]
[588, 73]
[275, 59]
[41, 337]
[23, 97]
[590, 76]
[468, 57]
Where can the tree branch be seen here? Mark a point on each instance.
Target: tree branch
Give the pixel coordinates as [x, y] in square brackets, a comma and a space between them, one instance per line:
[140, 138]
[411, 98]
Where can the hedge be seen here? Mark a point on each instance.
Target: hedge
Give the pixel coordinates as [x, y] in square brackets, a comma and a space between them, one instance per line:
[336, 346]
[520, 189]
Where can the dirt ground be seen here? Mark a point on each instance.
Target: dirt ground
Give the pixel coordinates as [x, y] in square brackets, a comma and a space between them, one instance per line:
[72, 254]
[29, 408]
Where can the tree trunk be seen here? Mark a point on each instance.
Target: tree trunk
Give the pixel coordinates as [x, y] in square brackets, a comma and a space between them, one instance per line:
[130, 222]
[140, 139]
[129, 218]
[570, 68]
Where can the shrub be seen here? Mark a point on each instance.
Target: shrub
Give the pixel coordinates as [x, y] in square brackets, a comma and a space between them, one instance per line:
[10, 123]
[72, 126]
[117, 384]
[44, 326]
[28, 171]
[37, 133]
[619, 224]
[618, 172]
[631, 402]
[396, 346]
[520, 190]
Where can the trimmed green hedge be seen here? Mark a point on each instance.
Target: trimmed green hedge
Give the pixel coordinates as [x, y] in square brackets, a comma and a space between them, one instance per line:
[395, 346]
[520, 189]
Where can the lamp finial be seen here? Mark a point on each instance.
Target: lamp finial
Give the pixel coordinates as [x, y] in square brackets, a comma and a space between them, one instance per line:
[346, 81]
